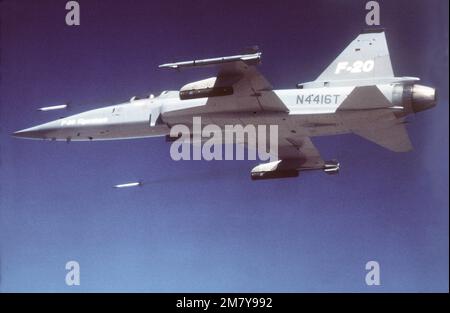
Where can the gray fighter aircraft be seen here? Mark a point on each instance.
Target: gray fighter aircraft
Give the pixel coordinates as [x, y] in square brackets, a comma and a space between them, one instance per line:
[357, 93]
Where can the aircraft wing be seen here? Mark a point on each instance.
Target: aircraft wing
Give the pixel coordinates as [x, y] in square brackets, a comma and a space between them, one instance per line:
[252, 90]
[249, 82]
[301, 149]
[296, 152]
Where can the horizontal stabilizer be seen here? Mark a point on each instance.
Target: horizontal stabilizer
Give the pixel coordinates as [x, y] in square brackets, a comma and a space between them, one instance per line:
[394, 138]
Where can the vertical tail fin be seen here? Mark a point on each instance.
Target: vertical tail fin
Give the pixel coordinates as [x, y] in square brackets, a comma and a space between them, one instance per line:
[365, 57]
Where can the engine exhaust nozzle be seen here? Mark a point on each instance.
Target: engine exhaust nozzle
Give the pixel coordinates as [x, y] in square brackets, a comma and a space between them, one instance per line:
[423, 98]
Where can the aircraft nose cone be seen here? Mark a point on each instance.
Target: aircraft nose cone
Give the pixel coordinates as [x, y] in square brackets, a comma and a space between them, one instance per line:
[423, 98]
[32, 133]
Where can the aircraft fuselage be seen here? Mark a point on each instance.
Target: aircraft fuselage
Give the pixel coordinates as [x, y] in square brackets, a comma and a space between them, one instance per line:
[313, 111]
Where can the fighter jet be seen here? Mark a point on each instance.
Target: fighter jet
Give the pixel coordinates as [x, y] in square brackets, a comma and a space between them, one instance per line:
[357, 93]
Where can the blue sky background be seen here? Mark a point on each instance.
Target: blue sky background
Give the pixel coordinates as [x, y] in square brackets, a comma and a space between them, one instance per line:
[205, 226]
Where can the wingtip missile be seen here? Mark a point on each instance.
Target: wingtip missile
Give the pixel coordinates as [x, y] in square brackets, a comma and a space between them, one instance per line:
[249, 59]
